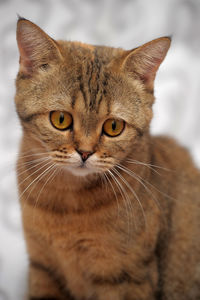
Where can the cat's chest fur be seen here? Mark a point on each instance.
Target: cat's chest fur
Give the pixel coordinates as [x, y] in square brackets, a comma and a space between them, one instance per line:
[87, 250]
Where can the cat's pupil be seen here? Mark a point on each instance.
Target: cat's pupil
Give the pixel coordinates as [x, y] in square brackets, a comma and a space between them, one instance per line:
[61, 118]
[114, 125]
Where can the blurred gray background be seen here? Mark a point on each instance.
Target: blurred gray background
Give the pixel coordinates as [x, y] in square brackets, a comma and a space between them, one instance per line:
[120, 23]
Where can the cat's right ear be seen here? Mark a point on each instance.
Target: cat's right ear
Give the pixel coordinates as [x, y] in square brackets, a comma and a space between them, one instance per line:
[36, 48]
[144, 61]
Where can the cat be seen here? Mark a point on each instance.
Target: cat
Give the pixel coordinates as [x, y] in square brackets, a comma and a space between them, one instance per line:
[109, 211]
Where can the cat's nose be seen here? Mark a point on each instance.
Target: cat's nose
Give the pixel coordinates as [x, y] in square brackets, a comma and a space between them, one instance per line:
[84, 154]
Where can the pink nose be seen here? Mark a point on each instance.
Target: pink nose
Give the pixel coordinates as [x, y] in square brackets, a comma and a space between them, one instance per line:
[84, 154]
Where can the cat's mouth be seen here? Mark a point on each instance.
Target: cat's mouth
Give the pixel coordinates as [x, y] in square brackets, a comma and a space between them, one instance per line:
[82, 168]
[78, 167]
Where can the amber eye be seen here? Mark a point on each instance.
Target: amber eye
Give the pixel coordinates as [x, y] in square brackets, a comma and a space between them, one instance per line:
[113, 127]
[61, 120]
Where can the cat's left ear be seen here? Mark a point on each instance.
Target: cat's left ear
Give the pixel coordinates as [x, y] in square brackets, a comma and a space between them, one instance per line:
[36, 48]
[144, 61]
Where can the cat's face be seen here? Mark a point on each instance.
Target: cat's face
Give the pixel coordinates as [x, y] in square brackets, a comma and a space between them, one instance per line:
[80, 104]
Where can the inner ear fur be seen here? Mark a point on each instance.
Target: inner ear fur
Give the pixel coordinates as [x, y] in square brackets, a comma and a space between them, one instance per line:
[144, 61]
[36, 48]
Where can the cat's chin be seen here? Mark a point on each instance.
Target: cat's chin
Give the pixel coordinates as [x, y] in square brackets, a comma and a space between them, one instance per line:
[81, 171]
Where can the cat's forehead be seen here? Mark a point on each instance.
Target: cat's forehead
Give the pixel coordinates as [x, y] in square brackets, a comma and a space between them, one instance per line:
[87, 79]
[102, 108]
[94, 86]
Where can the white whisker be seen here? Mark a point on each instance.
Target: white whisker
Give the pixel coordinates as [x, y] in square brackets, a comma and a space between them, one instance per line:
[164, 194]
[34, 166]
[49, 162]
[141, 181]
[134, 194]
[103, 179]
[33, 154]
[32, 188]
[150, 166]
[35, 180]
[110, 182]
[38, 179]
[124, 196]
[54, 169]
[29, 162]
[138, 178]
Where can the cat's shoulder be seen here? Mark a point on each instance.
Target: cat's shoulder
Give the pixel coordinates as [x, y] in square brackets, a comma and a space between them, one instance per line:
[171, 152]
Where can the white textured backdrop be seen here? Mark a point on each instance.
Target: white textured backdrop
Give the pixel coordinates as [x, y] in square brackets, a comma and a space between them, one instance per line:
[120, 23]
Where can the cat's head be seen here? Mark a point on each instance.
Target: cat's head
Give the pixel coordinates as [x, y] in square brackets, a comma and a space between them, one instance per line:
[85, 106]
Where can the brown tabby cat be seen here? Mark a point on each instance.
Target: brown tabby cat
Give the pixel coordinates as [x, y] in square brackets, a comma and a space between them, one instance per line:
[109, 212]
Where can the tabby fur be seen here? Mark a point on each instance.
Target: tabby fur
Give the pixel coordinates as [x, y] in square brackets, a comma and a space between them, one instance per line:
[125, 223]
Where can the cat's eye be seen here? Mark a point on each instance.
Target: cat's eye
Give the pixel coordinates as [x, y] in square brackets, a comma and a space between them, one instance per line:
[113, 127]
[61, 120]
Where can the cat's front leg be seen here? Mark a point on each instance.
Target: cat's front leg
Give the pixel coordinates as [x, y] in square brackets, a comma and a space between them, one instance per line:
[125, 290]
[42, 284]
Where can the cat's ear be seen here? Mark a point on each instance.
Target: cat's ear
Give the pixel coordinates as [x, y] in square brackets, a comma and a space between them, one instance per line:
[145, 60]
[36, 48]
